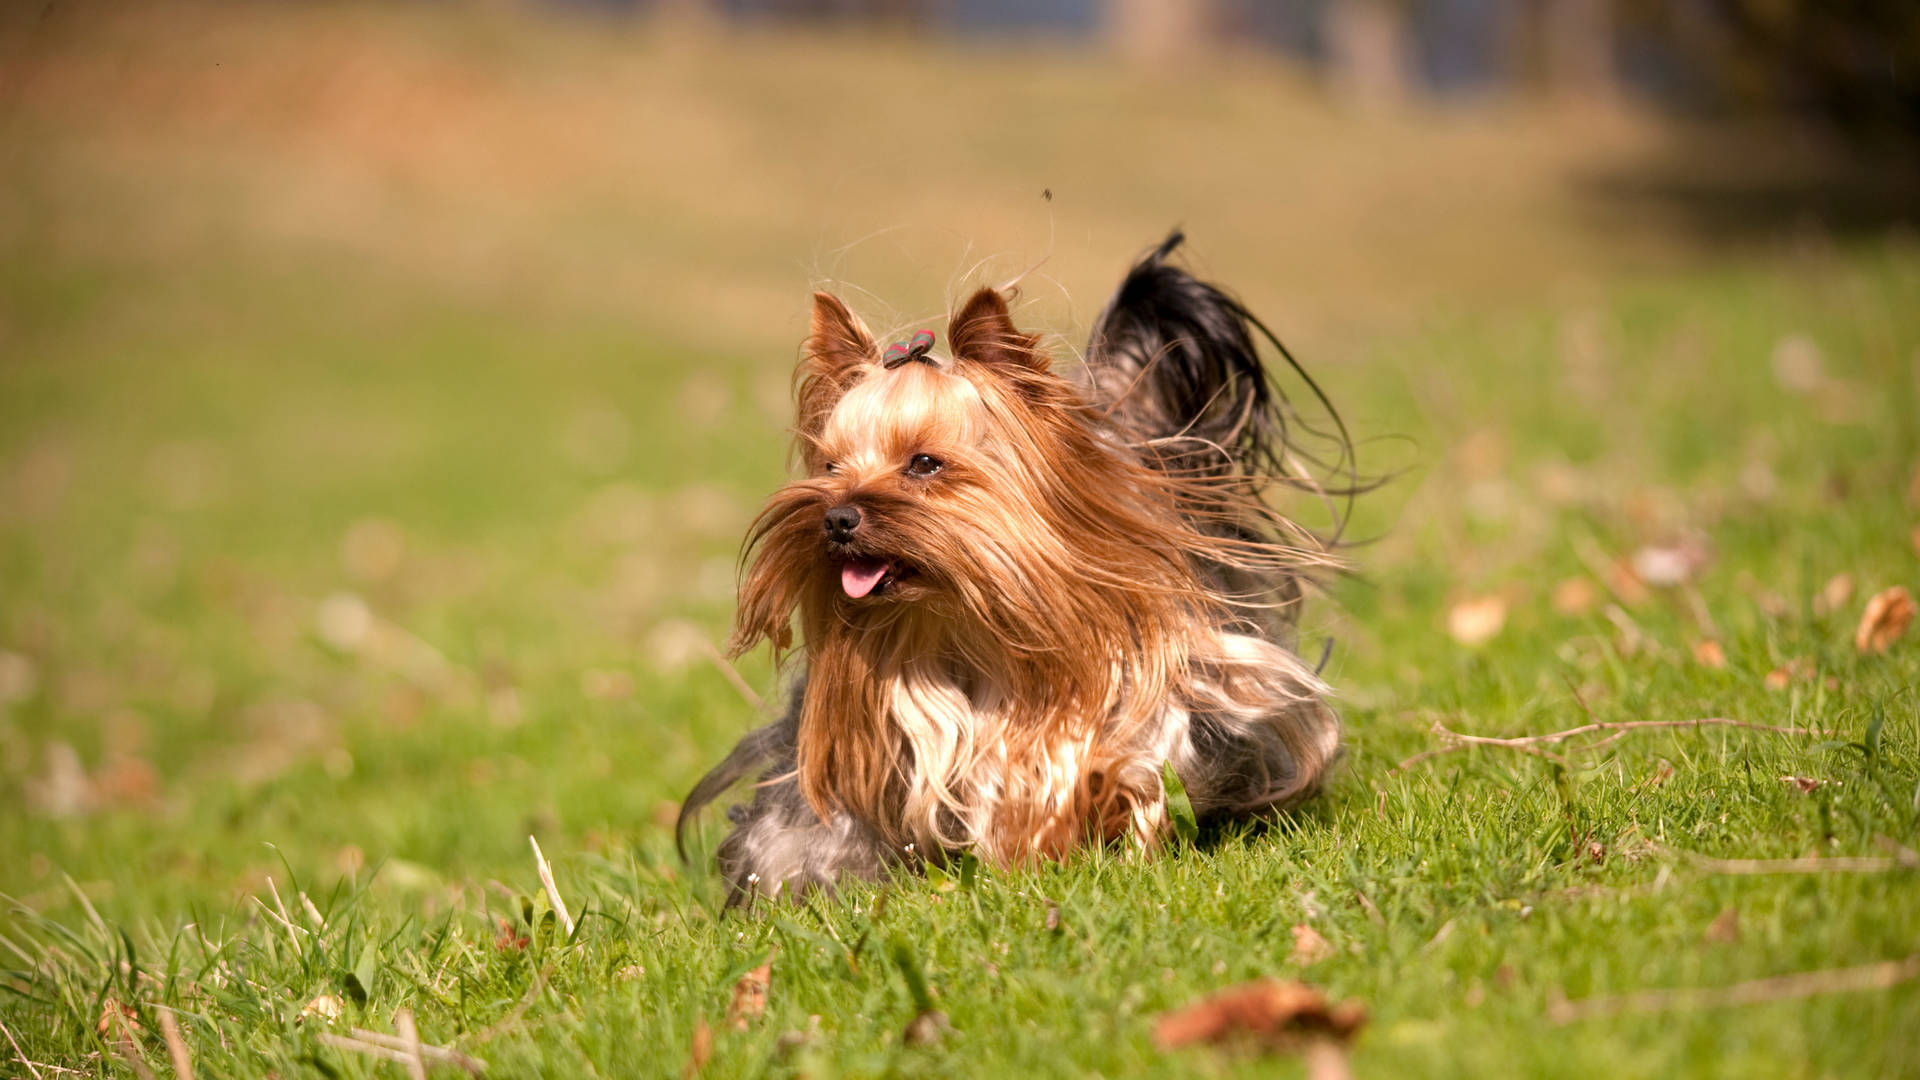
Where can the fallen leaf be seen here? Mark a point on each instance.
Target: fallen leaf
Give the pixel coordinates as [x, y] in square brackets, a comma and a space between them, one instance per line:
[1797, 364]
[18, 681]
[1710, 654]
[65, 791]
[1725, 928]
[1309, 948]
[1281, 1014]
[1475, 621]
[1667, 565]
[1660, 775]
[926, 1028]
[1596, 851]
[510, 939]
[126, 780]
[1575, 596]
[111, 1010]
[1806, 785]
[1834, 594]
[373, 549]
[700, 1051]
[327, 1007]
[1885, 619]
[1798, 669]
[607, 684]
[750, 997]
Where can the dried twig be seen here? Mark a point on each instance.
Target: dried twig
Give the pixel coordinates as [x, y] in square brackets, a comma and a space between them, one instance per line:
[410, 1043]
[1530, 744]
[1777, 988]
[733, 677]
[176, 1046]
[279, 912]
[391, 1048]
[1839, 864]
[19, 1053]
[553, 891]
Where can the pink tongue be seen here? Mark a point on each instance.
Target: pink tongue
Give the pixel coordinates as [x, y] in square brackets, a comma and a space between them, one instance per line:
[859, 576]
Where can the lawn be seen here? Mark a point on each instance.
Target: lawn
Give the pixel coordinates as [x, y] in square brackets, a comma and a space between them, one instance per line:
[330, 572]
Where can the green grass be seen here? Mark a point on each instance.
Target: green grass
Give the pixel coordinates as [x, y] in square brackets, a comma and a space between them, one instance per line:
[166, 600]
[243, 348]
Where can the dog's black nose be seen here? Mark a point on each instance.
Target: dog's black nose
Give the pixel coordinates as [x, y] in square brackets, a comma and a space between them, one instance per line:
[841, 521]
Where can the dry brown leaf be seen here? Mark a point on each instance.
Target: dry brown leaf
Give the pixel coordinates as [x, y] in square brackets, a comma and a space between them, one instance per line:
[1280, 1014]
[1575, 596]
[1668, 565]
[1626, 584]
[373, 549]
[1798, 669]
[607, 684]
[1797, 364]
[1662, 773]
[926, 1029]
[1885, 619]
[1475, 621]
[18, 680]
[1806, 785]
[700, 1052]
[1725, 928]
[1309, 948]
[1834, 594]
[1710, 654]
[327, 1007]
[750, 997]
[112, 1010]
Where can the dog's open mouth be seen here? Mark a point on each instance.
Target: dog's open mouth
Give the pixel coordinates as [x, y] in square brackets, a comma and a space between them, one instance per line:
[867, 575]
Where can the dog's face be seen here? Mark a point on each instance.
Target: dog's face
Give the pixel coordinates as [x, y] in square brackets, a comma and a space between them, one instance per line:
[897, 468]
[927, 483]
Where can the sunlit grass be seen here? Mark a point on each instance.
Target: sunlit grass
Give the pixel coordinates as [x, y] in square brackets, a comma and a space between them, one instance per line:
[329, 573]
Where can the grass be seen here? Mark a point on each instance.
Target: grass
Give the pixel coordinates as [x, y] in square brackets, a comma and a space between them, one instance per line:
[222, 450]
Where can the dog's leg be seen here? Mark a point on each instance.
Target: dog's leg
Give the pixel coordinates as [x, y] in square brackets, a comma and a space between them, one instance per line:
[780, 848]
[1261, 738]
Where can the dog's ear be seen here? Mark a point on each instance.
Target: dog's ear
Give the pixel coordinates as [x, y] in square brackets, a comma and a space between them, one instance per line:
[982, 332]
[836, 347]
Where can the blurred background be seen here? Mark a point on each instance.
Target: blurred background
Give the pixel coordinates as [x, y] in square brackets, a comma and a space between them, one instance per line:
[384, 389]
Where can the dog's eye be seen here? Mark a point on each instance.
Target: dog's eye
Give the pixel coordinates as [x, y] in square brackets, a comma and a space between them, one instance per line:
[831, 468]
[924, 465]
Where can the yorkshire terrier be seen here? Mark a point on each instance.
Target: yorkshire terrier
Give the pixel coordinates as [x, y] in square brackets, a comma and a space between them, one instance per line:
[1021, 592]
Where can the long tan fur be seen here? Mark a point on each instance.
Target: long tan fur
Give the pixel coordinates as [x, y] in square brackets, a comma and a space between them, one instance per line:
[1017, 693]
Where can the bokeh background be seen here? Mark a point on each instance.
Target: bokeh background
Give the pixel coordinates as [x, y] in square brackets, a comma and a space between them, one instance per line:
[384, 389]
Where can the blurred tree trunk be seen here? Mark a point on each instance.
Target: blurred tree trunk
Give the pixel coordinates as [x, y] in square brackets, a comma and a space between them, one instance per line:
[1577, 40]
[1367, 46]
[1157, 31]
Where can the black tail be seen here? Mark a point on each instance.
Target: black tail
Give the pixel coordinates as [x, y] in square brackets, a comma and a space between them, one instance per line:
[1177, 364]
[761, 747]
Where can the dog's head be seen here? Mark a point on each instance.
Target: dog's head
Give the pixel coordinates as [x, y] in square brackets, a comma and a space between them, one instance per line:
[964, 488]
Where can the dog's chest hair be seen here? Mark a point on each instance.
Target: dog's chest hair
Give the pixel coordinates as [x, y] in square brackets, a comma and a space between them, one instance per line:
[981, 773]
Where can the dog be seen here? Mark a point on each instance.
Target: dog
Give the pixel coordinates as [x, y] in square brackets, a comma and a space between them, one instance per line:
[1021, 593]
